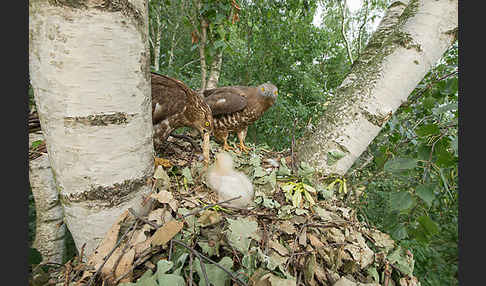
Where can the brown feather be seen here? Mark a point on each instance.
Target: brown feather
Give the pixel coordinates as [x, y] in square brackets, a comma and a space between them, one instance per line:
[225, 100]
[175, 105]
[230, 116]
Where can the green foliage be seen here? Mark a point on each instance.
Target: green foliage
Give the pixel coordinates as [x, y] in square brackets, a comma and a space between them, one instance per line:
[412, 185]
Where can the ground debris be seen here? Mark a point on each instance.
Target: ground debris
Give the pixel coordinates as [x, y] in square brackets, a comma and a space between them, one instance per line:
[188, 238]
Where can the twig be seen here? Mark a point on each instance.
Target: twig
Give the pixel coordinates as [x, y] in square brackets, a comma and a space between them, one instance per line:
[190, 269]
[203, 270]
[306, 224]
[360, 30]
[139, 261]
[429, 162]
[155, 225]
[346, 42]
[80, 257]
[199, 255]
[115, 265]
[209, 206]
[170, 250]
[387, 271]
[91, 280]
[292, 156]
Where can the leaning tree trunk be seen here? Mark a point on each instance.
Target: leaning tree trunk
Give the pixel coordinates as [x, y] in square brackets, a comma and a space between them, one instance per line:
[89, 65]
[50, 230]
[409, 41]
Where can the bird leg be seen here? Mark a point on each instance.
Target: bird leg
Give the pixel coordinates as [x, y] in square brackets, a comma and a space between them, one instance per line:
[227, 147]
[160, 139]
[222, 136]
[241, 136]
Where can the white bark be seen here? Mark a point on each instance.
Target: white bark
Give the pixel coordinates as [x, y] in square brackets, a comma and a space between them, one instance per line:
[215, 71]
[89, 70]
[202, 55]
[397, 57]
[50, 230]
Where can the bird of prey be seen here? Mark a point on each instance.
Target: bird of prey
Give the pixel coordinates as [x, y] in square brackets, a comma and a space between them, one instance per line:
[175, 105]
[236, 107]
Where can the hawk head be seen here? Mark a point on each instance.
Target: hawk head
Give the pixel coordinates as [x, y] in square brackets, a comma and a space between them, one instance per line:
[268, 89]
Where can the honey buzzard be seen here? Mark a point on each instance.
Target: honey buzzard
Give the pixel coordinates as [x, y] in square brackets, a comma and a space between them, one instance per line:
[175, 105]
[236, 107]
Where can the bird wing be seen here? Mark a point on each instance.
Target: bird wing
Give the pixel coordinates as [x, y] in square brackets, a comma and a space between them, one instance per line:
[168, 97]
[225, 100]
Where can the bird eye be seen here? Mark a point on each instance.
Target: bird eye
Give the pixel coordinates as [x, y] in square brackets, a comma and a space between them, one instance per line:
[263, 89]
[276, 92]
[207, 123]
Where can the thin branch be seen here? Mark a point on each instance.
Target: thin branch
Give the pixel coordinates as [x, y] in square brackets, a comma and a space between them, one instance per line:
[199, 255]
[110, 253]
[203, 269]
[362, 26]
[343, 33]
[209, 206]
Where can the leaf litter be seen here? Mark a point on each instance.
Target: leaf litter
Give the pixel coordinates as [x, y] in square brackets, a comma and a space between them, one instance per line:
[311, 238]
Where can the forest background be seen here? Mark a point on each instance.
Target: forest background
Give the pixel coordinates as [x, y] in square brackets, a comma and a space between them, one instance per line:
[408, 176]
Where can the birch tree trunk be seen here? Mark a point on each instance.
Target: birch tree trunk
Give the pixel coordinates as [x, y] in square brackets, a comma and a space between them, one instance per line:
[409, 41]
[215, 71]
[50, 230]
[89, 67]
[202, 54]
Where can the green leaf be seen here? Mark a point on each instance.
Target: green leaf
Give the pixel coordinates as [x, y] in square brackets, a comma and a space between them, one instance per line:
[147, 279]
[272, 179]
[168, 279]
[333, 157]
[454, 145]
[401, 261]
[444, 108]
[259, 172]
[427, 130]
[209, 250]
[238, 233]
[399, 232]
[310, 189]
[296, 199]
[287, 187]
[305, 169]
[283, 170]
[216, 276]
[428, 224]
[186, 172]
[36, 143]
[373, 273]
[400, 164]
[426, 193]
[171, 279]
[309, 198]
[401, 201]
[163, 266]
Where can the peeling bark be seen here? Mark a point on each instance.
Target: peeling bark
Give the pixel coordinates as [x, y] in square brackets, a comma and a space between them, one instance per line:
[50, 230]
[410, 39]
[89, 68]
